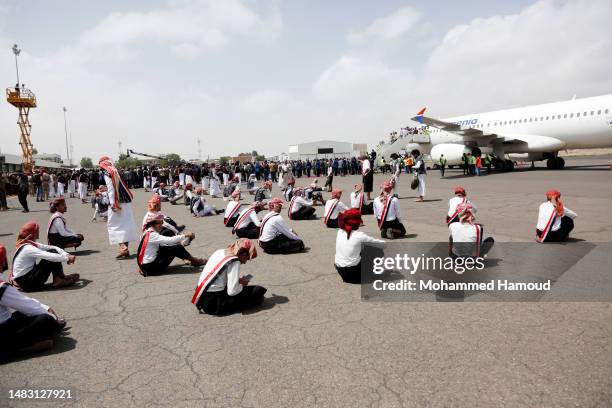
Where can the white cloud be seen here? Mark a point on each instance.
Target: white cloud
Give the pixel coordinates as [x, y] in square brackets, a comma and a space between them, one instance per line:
[550, 50]
[390, 27]
[268, 102]
[192, 25]
[361, 80]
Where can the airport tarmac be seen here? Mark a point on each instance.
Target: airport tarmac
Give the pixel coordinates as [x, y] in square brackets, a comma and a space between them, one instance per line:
[137, 341]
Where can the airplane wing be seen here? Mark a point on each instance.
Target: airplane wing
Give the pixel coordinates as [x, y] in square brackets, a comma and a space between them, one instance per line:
[446, 126]
[529, 142]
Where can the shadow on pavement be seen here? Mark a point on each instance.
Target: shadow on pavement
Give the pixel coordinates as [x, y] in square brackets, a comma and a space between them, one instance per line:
[79, 285]
[85, 252]
[268, 303]
[61, 344]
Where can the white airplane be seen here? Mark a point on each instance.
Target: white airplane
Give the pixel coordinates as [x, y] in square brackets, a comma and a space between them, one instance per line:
[531, 133]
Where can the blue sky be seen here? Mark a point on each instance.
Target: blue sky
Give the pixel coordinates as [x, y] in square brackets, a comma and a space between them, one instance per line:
[158, 75]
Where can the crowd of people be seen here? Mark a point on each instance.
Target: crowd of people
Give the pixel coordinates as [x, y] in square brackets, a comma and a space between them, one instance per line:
[221, 287]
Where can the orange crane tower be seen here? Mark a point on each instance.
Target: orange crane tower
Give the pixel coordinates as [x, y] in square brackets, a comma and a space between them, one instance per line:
[23, 99]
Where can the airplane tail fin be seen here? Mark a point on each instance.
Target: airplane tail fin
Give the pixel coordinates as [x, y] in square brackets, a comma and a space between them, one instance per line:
[419, 115]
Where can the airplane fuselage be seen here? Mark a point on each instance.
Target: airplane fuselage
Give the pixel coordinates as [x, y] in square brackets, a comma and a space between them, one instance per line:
[579, 123]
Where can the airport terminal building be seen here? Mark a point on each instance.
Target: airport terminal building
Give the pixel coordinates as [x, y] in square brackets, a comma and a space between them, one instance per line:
[325, 149]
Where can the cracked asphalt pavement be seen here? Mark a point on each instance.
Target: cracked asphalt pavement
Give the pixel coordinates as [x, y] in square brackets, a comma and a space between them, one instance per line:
[135, 341]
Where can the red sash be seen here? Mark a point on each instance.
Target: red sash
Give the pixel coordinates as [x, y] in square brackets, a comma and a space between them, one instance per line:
[456, 211]
[241, 219]
[291, 206]
[201, 288]
[478, 238]
[231, 214]
[331, 211]
[143, 247]
[360, 201]
[263, 223]
[383, 216]
[542, 237]
[52, 219]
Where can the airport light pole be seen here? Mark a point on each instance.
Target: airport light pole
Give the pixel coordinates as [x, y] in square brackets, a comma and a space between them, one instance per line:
[16, 51]
[66, 133]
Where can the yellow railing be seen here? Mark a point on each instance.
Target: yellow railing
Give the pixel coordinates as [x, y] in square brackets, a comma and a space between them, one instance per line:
[21, 97]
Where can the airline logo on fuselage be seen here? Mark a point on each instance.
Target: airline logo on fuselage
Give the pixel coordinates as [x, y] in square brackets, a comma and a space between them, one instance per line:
[467, 122]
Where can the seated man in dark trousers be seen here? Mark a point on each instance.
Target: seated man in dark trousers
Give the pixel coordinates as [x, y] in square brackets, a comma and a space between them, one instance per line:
[58, 233]
[348, 245]
[221, 290]
[333, 207]
[467, 237]
[387, 212]
[156, 251]
[300, 208]
[275, 237]
[232, 210]
[459, 198]
[34, 262]
[360, 201]
[247, 225]
[555, 221]
[26, 325]
[314, 192]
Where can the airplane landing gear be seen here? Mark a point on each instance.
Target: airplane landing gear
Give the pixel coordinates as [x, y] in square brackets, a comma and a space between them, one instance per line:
[555, 163]
[498, 164]
[503, 165]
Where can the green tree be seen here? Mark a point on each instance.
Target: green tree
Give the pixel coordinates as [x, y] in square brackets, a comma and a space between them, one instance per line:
[128, 162]
[34, 150]
[225, 159]
[171, 158]
[87, 163]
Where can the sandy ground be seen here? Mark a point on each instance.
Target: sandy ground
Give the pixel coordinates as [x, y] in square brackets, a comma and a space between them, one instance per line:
[137, 341]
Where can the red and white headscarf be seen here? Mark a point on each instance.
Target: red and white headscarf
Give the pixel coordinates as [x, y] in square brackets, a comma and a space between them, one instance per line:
[350, 220]
[154, 204]
[268, 185]
[358, 187]
[460, 191]
[336, 193]
[554, 194]
[188, 186]
[236, 194]
[465, 213]
[274, 202]
[154, 217]
[55, 203]
[106, 163]
[242, 245]
[386, 186]
[28, 232]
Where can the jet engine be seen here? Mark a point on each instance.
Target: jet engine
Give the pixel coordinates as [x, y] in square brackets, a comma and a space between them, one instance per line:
[452, 152]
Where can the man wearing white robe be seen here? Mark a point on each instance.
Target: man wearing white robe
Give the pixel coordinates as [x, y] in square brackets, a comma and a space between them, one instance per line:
[120, 224]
